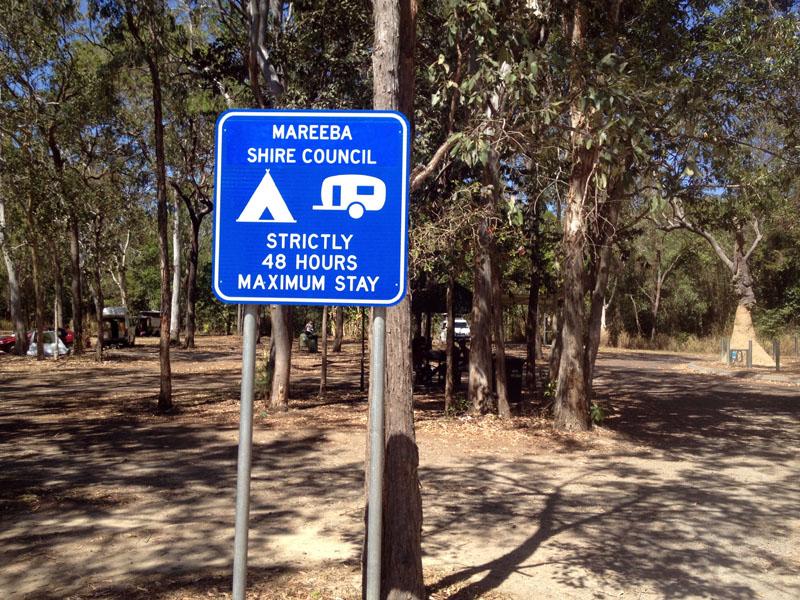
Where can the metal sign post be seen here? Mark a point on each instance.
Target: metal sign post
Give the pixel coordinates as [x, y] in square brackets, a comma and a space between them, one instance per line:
[245, 451]
[377, 368]
[311, 207]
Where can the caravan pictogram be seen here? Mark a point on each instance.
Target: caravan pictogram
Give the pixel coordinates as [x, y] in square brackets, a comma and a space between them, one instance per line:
[267, 197]
[353, 193]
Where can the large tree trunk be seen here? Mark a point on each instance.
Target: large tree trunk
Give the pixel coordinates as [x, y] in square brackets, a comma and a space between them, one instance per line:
[401, 565]
[571, 409]
[480, 351]
[76, 288]
[743, 330]
[338, 335]
[191, 284]
[282, 339]
[450, 383]
[175, 307]
[165, 387]
[15, 303]
[323, 375]
[742, 280]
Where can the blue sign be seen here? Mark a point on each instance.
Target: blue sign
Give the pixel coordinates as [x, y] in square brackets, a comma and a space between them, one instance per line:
[311, 207]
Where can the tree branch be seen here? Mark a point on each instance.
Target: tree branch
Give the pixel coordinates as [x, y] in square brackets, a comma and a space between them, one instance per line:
[422, 173]
[759, 237]
[679, 221]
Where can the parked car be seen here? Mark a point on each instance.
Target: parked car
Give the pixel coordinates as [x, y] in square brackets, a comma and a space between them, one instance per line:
[460, 330]
[52, 344]
[7, 342]
[66, 336]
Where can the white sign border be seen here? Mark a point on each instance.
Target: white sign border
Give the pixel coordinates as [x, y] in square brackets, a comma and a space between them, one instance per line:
[368, 114]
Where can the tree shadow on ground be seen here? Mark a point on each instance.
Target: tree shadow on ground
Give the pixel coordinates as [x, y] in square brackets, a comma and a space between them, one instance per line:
[148, 496]
[703, 524]
[689, 506]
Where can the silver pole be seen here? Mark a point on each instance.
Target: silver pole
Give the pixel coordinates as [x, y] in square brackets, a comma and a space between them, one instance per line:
[375, 500]
[245, 452]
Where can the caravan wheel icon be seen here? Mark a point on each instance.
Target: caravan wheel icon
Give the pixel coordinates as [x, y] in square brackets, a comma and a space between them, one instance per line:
[353, 193]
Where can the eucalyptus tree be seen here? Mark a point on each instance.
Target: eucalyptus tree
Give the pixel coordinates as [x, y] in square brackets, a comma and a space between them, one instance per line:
[732, 138]
[141, 34]
[42, 72]
[15, 304]
[401, 545]
[484, 73]
[192, 176]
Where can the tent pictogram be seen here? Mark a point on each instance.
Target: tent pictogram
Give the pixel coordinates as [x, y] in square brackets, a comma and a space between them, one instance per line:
[267, 197]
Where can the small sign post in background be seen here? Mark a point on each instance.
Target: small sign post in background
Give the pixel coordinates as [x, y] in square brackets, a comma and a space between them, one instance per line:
[311, 207]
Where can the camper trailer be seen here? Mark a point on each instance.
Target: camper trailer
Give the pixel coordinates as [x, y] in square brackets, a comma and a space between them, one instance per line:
[117, 328]
[353, 193]
[148, 323]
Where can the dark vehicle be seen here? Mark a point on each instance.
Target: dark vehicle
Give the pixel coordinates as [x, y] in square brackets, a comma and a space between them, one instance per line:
[117, 330]
[148, 323]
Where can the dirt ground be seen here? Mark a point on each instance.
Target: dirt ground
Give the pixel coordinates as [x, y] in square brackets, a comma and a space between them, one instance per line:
[690, 489]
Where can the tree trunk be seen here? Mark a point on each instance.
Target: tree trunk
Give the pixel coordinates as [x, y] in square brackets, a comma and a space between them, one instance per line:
[338, 335]
[58, 294]
[98, 307]
[656, 303]
[121, 276]
[282, 338]
[76, 286]
[555, 351]
[596, 314]
[607, 226]
[531, 322]
[450, 382]
[503, 407]
[152, 59]
[323, 376]
[191, 284]
[15, 304]
[165, 387]
[571, 409]
[39, 300]
[742, 280]
[175, 309]
[480, 352]
[636, 315]
[58, 290]
[401, 565]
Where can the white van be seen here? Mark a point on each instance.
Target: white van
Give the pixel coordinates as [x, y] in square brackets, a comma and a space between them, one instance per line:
[461, 330]
[353, 193]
